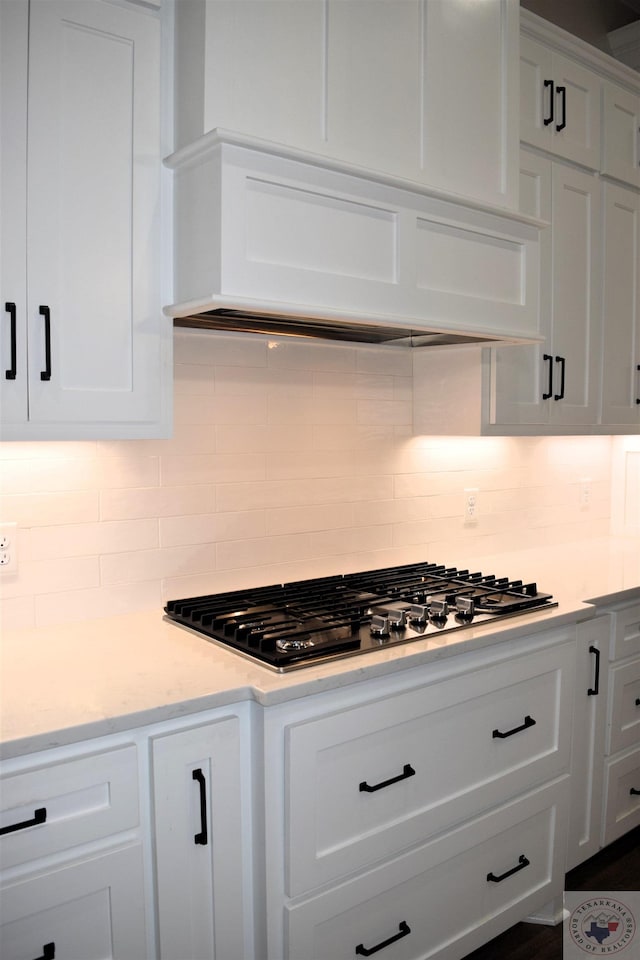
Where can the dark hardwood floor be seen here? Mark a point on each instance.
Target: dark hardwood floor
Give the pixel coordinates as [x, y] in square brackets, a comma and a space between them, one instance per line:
[617, 867]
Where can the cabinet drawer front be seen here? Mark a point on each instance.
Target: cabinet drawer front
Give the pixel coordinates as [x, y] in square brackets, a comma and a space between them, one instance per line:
[58, 806]
[90, 911]
[624, 699]
[626, 632]
[374, 780]
[622, 796]
[442, 892]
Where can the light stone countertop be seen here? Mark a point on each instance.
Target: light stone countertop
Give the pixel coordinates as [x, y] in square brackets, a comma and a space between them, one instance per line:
[63, 684]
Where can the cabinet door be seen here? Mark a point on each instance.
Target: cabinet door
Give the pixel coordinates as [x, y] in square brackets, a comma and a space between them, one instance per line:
[91, 910]
[93, 213]
[621, 307]
[621, 134]
[576, 272]
[199, 842]
[588, 740]
[559, 105]
[13, 198]
[518, 375]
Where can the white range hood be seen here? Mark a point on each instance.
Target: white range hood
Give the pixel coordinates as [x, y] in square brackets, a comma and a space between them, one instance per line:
[272, 240]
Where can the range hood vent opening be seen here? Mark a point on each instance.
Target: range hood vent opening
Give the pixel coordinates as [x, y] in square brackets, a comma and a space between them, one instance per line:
[244, 321]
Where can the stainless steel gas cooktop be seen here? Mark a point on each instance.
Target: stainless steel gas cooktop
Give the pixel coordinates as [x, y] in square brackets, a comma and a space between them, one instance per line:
[291, 625]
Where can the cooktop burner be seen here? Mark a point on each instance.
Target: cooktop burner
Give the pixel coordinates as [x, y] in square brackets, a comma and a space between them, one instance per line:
[291, 625]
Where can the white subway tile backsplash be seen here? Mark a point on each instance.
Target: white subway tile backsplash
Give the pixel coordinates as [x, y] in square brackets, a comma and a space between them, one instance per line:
[290, 459]
[212, 528]
[87, 539]
[156, 502]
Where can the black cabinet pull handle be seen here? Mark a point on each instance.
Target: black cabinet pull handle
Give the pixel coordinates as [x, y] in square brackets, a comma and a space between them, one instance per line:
[521, 864]
[46, 313]
[39, 816]
[48, 952]
[403, 931]
[10, 374]
[563, 96]
[528, 722]
[203, 836]
[548, 359]
[634, 792]
[407, 772]
[637, 701]
[562, 361]
[549, 84]
[593, 691]
[638, 372]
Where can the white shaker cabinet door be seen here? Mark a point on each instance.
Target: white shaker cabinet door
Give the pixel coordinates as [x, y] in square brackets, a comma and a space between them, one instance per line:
[575, 290]
[559, 105]
[14, 18]
[517, 373]
[621, 134]
[199, 837]
[94, 321]
[621, 307]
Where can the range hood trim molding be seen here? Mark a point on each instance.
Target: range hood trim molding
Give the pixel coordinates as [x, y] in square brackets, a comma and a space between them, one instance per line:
[200, 148]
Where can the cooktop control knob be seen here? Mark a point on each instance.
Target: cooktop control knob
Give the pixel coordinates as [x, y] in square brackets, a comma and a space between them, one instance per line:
[379, 626]
[465, 609]
[439, 610]
[397, 619]
[418, 613]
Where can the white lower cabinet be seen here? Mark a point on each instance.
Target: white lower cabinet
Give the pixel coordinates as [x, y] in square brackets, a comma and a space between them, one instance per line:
[88, 910]
[588, 739]
[71, 855]
[200, 834]
[424, 814]
[621, 773]
[445, 898]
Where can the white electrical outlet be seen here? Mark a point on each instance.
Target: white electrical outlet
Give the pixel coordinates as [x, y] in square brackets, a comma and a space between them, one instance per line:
[585, 493]
[471, 504]
[8, 547]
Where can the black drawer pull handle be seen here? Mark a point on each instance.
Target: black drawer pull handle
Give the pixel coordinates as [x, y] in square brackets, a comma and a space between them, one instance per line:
[528, 722]
[637, 701]
[563, 95]
[634, 792]
[39, 816]
[593, 691]
[548, 359]
[46, 313]
[10, 374]
[407, 772]
[549, 84]
[522, 863]
[203, 836]
[404, 931]
[638, 371]
[48, 952]
[562, 361]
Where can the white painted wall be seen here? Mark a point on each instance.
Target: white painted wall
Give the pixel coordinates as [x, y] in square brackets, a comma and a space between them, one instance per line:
[289, 460]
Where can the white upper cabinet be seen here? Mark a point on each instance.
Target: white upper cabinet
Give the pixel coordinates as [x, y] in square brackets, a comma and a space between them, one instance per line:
[621, 307]
[83, 264]
[417, 89]
[555, 385]
[559, 104]
[620, 134]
